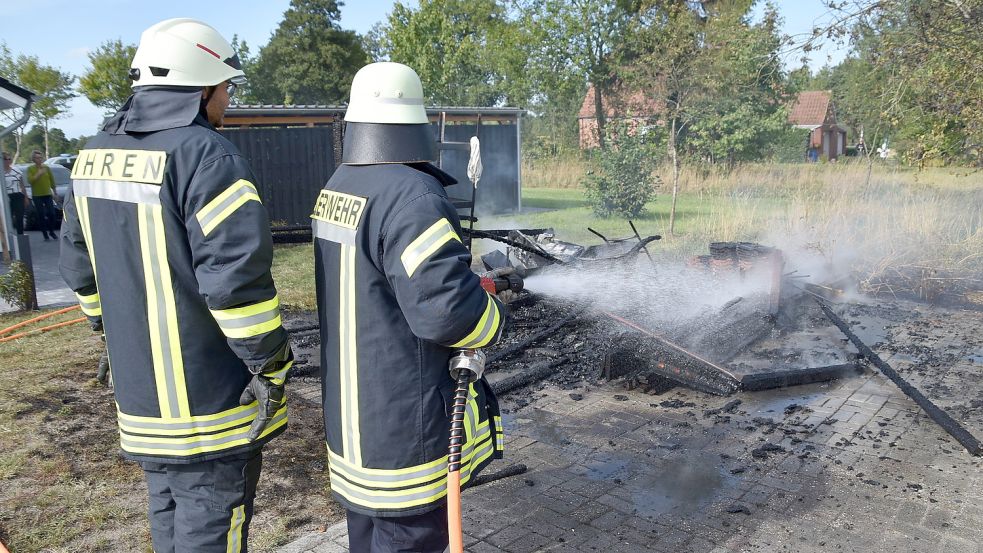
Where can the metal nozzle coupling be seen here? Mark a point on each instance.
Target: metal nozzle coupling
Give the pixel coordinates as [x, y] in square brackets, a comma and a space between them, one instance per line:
[470, 360]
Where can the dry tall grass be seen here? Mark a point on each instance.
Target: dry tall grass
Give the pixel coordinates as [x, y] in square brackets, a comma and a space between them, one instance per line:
[888, 225]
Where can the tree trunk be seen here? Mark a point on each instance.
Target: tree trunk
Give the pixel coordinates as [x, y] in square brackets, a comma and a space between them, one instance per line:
[599, 114]
[46, 153]
[674, 156]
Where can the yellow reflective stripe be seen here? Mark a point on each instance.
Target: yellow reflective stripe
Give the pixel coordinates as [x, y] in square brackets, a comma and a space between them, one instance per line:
[484, 331]
[499, 434]
[90, 304]
[193, 445]
[426, 244]
[409, 497]
[348, 352]
[170, 427]
[250, 320]
[225, 204]
[246, 311]
[165, 341]
[401, 478]
[279, 376]
[234, 537]
[82, 208]
[184, 420]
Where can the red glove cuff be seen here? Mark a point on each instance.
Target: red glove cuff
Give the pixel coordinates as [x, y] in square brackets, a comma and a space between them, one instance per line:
[488, 284]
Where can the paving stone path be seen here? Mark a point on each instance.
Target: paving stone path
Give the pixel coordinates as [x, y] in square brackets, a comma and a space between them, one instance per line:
[851, 465]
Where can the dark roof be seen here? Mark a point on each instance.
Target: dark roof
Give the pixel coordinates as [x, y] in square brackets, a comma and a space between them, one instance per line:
[6, 101]
[324, 109]
[810, 108]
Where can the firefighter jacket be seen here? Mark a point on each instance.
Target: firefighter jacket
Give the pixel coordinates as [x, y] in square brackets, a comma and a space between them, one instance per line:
[165, 239]
[396, 297]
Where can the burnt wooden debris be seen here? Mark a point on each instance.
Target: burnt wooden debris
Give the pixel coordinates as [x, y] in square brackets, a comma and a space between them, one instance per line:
[950, 425]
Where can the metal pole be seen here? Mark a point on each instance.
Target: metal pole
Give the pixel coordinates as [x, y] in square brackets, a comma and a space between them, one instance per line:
[518, 161]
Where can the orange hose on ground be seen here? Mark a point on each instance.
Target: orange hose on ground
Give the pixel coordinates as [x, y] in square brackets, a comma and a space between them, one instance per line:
[3, 549]
[44, 329]
[38, 318]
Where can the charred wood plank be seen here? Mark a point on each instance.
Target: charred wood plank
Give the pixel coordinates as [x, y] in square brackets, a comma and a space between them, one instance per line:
[674, 362]
[538, 372]
[515, 348]
[950, 425]
[784, 377]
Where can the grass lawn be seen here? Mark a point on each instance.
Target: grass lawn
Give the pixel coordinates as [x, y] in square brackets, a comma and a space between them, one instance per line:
[733, 217]
[64, 486]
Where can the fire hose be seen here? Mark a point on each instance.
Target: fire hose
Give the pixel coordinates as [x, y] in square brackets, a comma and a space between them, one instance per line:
[466, 366]
[39, 330]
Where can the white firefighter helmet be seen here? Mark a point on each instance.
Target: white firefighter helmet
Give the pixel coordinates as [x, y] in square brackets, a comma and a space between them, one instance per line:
[386, 119]
[184, 52]
[386, 92]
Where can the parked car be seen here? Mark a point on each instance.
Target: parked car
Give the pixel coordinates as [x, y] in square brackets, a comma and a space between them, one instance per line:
[65, 160]
[63, 179]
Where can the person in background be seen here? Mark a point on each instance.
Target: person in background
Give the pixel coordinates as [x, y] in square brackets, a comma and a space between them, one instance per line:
[42, 187]
[13, 181]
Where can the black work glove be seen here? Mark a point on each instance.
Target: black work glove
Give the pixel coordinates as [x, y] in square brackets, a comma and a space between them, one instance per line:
[103, 375]
[270, 394]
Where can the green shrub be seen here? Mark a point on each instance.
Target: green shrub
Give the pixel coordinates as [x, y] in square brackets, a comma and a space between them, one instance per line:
[15, 286]
[621, 182]
[790, 145]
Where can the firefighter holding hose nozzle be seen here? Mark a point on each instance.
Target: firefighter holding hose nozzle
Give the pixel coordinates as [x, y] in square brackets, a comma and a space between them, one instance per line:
[396, 299]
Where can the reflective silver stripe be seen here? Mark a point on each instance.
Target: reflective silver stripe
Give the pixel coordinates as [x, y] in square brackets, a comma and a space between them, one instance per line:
[163, 330]
[349, 356]
[365, 495]
[426, 244]
[130, 192]
[334, 233]
[234, 540]
[346, 470]
[355, 492]
[249, 321]
[215, 210]
[90, 304]
[203, 441]
[248, 414]
[422, 473]
[487, 330]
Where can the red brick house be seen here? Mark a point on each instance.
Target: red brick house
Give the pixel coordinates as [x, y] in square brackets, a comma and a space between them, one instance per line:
[635, 110]
[814, 111]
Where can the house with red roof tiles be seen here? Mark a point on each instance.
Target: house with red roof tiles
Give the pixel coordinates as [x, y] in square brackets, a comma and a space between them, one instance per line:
[634, 110]
[813, 110]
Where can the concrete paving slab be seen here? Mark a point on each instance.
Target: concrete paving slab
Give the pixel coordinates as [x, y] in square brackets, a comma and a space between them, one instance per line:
[850, 465]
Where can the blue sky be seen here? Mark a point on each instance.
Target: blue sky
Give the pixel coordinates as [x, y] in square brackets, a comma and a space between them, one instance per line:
[61, 32]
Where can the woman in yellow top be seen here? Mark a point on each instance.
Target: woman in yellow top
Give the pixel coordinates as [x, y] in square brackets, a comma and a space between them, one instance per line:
[42, 188]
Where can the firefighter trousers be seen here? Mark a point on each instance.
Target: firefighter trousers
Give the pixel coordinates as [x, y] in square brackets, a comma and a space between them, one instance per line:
[426, 533]
[202, 507]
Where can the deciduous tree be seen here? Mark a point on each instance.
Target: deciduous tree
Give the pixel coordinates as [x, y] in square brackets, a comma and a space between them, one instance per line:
[467, 52]
[310, 59]
[107, 83]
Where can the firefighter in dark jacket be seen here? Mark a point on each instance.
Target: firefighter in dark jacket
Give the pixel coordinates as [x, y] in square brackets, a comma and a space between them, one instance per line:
[168, 247]
[395, 297]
